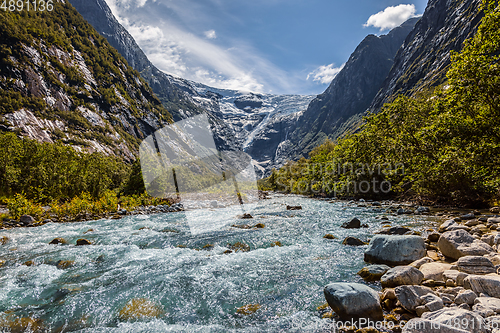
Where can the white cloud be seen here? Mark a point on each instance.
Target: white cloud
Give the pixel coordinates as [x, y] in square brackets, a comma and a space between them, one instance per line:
[175, 49]
[391, 17]
[210, 34]
[325, 74]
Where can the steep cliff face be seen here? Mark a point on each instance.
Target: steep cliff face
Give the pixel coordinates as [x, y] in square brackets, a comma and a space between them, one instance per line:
[424, 58]
[172, 92]
[61, 81]
[351, 92]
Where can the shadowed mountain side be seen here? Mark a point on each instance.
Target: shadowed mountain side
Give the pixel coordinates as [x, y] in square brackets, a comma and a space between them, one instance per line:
[351, 92]
[424, 58]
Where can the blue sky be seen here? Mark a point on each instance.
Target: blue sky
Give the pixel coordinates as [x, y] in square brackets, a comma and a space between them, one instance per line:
[271, 46]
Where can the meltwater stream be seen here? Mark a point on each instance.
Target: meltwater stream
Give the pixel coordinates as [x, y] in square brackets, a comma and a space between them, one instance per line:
[198, 289]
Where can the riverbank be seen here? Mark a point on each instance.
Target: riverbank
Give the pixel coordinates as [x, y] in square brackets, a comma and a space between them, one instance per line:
[203, 267]
[445, 280]
[257, 279]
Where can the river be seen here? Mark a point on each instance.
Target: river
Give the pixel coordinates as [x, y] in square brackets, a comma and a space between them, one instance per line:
[198, 290]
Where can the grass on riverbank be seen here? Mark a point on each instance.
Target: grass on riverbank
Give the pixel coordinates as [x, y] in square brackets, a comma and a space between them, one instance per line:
[81, 207]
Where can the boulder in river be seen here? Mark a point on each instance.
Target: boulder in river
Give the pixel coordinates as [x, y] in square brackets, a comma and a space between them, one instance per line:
[293, 207]
[373, 272]
[58, 241]
[329, 236]
[401, 275]
[4, 240]
[27, 220]
[394, 231]
[239, 246]
[140, 308]
[459, 243]
[248, 309]
[352, 224]
[353, 301]
[352, 241]
[395, 250]
[83, 241]
[475, 265]
[63, 264]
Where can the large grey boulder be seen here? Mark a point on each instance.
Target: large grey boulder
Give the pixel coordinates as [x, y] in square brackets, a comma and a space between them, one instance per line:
[459, 243]
[401, 275]
[483, 284]
[419, 325]
[353, 301]
[434, 270]
[395, 250]
[410, 296]
[464, 319]
[475, 265]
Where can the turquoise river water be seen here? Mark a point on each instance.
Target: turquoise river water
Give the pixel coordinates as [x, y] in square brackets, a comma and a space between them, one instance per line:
[198, 290]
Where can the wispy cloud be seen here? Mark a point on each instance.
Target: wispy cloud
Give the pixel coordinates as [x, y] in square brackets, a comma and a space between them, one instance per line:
[325, 74]
[210, 34]
[391, 17]
[178, 51]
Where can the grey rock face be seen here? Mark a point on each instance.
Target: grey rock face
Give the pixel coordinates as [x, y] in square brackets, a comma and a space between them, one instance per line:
[472, 322]
[426, 50]
[459, 243]
[395, 250]
[475, 265]
[410, 296]
[402, 275]
[466, 297]
[353, 300]
[483, 284]
[434, 270]
[352, 90]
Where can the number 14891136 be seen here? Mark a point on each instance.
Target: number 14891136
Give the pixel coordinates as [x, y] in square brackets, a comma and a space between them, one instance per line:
[33, 5]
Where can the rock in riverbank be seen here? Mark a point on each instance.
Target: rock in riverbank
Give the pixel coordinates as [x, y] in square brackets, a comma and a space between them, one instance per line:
[395, 250]
[373, 272]
[401, 275]
[353, 300]
[459, 243]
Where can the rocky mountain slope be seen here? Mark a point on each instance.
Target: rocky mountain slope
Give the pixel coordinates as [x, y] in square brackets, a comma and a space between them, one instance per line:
[260, 122]
[61, 81]
[424, 58]
[176, 98]
[351, 92]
